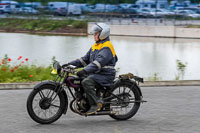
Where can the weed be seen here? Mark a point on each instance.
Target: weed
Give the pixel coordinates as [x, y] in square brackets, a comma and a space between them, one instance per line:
[181, 69]
[155, 77]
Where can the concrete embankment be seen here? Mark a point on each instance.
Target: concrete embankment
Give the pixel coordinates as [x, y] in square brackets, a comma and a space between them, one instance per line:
[46, 33]
[8, 86]
[153, 31]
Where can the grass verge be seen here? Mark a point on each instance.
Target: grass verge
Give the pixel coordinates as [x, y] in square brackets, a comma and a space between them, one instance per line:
[43, 25]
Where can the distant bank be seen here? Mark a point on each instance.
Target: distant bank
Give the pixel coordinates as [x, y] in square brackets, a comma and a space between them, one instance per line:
[71, 27]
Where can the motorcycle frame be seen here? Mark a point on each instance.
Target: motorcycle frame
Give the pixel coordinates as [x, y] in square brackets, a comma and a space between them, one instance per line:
[65, 74]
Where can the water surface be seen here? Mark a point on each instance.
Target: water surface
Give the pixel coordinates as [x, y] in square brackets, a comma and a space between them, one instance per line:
[139, 55]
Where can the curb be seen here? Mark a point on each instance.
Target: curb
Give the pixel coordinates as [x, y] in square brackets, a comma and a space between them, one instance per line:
[170, 83]
[16, 86]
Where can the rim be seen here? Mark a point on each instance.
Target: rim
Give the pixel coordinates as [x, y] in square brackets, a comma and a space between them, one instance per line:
[128, 96]
[43, 106]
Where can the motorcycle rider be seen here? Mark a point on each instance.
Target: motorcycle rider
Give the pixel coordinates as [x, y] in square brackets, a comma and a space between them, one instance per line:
[98, 63]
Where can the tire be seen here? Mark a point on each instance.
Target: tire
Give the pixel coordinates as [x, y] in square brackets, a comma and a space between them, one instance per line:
[136, 95]
[44, 107]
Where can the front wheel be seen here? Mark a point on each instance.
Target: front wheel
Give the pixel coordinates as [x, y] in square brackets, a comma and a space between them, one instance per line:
[44, 106]
[128, 107]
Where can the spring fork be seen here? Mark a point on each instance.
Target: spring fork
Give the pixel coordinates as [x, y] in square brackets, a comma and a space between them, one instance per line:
[58, 90]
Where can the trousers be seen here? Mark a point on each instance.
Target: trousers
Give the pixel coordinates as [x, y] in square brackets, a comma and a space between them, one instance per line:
[90, 86]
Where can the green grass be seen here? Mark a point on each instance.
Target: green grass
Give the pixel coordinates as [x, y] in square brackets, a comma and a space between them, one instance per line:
[193, 26]
[180, 17]
[40, 24]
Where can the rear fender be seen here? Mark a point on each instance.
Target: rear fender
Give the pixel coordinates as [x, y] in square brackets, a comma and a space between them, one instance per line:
[134, 85]
[37, 86]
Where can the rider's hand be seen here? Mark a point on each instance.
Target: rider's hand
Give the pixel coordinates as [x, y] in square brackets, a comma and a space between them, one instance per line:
[65, 65]
[81, 73]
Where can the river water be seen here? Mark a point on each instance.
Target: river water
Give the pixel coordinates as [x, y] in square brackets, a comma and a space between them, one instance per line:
[142, 56]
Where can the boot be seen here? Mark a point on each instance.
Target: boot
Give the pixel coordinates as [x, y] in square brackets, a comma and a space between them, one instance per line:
[95, 107]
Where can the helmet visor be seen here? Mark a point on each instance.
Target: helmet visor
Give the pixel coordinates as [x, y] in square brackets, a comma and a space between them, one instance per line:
[95, 29]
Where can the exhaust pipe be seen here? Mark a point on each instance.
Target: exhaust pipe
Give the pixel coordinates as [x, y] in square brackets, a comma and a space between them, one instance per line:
[105, 113]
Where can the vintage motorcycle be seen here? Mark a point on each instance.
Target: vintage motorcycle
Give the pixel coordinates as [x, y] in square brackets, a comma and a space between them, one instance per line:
[49, 99]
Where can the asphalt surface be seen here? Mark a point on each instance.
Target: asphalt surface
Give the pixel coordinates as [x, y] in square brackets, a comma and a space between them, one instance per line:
[168, 110]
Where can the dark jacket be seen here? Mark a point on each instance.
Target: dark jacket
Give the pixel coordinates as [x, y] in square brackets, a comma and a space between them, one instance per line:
[99, 62]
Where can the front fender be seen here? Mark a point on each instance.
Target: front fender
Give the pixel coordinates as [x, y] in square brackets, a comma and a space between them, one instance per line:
[37, 86]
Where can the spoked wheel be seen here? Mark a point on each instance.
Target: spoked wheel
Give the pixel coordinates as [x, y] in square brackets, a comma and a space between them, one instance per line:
[127, 107]
[44, 106]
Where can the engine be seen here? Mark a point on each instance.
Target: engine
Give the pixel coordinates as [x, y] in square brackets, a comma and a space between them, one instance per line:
[81, 103]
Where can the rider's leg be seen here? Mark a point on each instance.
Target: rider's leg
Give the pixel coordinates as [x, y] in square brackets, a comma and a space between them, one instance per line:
[89, 86]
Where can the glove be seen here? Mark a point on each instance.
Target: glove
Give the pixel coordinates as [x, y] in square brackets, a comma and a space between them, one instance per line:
[81, 73]
[65, 65]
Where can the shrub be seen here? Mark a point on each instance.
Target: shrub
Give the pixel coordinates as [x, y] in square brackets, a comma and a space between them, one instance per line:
[79, 24]
[22, 71]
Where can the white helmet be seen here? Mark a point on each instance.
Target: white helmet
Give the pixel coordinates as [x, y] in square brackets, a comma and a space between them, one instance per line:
[103, 28]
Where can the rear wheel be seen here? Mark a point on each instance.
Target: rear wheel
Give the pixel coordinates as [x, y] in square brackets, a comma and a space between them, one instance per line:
[43, 107]
[128, 107]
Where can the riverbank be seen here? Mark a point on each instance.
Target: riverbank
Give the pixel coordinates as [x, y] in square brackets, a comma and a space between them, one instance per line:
[46, 33]
[43, 26]
[69, 27]
[13, 86]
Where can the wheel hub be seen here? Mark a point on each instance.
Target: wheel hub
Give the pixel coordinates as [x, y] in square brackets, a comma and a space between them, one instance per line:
[126, 99]
[44, 103]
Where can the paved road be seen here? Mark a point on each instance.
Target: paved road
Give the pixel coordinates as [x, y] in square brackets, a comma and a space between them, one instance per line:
[168, 110]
